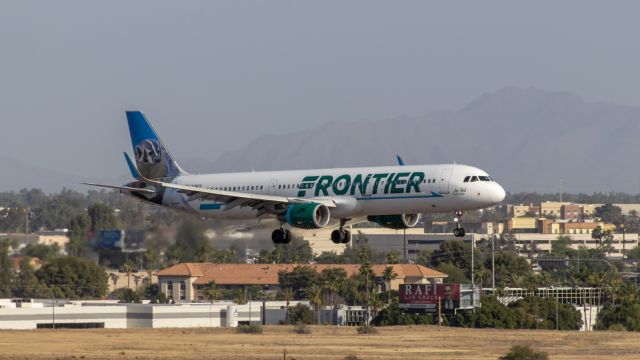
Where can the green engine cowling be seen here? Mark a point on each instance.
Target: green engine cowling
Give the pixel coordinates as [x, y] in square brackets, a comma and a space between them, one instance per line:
[307, 216]
[400, 221]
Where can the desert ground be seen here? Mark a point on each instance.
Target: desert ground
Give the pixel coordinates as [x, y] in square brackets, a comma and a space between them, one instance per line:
[324, 342]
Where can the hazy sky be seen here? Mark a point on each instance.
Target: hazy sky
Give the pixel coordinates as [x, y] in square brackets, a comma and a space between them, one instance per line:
[213, 75]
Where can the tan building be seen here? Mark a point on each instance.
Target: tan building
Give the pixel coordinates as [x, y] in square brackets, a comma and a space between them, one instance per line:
[552, 208]
[524, 210]
[185, 282]
[522, 224]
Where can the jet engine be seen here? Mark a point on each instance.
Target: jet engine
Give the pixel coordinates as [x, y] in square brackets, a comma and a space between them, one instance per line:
[401, 221]
[307, 216]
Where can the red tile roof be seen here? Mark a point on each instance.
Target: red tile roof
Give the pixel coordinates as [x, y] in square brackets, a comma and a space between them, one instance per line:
[267, 274]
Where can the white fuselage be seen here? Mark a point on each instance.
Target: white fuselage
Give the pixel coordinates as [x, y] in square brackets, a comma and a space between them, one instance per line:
[357, 192]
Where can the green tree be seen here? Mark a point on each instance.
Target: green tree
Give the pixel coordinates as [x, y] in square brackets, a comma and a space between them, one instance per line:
[126, 295]
[508, 265]
[74, 278]
[626, 314]
[300, 313]
[27, 284]
[190, 238]
[454, 274]
[520, 352]
[333, 280]
[609, 213]
[7, 270]
[102, 217]
[315, 294]
[393, 257]
[211, 292]
[298, 279]
[388, 275]
[40, 251]
[329, 257]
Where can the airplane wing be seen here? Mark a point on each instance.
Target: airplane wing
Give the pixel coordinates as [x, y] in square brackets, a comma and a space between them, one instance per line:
[263, 203]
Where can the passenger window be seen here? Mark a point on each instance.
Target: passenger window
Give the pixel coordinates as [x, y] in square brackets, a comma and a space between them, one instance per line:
[466, 178]
[475, 178]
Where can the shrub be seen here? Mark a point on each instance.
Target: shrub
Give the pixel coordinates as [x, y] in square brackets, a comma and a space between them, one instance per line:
[250, 329]
[519, 352]
[617, 327]
[350, 357]
[301, 328]
[367, 329]
[300, 314]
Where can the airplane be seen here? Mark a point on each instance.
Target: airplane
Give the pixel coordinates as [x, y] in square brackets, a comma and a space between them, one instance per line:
[391, 196]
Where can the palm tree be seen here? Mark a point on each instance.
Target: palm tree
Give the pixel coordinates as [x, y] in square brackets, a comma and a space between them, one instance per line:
[388, 275]
[315, 294]
[212, 292]
[128, 269]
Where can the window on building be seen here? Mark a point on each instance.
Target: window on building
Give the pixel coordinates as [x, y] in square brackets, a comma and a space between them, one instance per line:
[183, 288]
[170, 289]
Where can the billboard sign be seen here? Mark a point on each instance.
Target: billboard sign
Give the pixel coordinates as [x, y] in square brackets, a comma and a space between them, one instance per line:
[425, 297]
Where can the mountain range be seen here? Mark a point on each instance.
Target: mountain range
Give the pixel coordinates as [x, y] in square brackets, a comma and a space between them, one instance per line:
[527, 139]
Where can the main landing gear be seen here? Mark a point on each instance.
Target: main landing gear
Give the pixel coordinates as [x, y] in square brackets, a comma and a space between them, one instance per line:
[340, 235]
[281, 236]
[459, 230]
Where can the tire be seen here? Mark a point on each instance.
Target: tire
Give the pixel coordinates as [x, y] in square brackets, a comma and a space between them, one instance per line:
[456, 232]
[337, 236]
[462, 232]
[277, 236]
[347, 237]
[287, 237]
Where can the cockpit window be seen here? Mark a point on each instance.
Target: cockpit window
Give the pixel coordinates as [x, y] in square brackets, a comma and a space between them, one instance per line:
[484, 178]
[466, 178]
[475, 178]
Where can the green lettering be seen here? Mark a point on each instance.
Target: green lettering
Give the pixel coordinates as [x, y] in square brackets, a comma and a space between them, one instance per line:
[377, 178]
[389, 181]
[323, 184]
[337, 189]
[415, 180]
[307, 183]
[398, 181]
[357, 182]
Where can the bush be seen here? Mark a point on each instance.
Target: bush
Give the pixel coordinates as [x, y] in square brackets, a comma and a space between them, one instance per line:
[350, 357]
[519, 352]
[617, 327]
[367, 329]
[300, 314]
[250, 329]
[301, 328]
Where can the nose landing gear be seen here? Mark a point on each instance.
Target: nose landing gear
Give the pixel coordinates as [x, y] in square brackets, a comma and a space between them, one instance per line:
[459, 230]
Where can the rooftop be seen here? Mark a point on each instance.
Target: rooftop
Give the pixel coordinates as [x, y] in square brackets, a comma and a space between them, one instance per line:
[267, 274]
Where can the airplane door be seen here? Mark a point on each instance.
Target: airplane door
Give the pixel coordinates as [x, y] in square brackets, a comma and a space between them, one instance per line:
[273, 187]
[443, 181]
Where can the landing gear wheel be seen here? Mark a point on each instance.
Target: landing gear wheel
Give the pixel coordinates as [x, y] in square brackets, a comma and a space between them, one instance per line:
[338, 236]
[462, 232]
[278, 236]
[347, 237]
[286, 237]
[459, 230]
[456, 232]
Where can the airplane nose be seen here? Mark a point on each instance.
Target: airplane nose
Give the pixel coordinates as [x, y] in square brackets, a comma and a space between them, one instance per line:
[498, 193]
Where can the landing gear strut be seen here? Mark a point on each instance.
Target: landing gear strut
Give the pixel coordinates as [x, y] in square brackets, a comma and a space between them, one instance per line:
[340, 235]
[459, 230]
[281, 236]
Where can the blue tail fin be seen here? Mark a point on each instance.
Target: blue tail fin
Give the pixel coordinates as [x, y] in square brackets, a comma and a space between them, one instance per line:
[153, 160]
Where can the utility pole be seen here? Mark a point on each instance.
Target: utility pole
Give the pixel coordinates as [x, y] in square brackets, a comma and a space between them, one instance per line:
[561, 186]
[473, 286]
[493, 264]
[624, 231]
[440, 311]
[557, 327]
[26, 224]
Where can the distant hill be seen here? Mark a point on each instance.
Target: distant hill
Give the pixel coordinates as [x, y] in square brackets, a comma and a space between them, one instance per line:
[528, 139]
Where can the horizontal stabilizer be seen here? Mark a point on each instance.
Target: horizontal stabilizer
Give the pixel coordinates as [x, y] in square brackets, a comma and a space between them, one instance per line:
[128, 188]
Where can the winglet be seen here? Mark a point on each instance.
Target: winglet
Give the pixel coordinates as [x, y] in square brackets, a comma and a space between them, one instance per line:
[132, 168]
[400, 161]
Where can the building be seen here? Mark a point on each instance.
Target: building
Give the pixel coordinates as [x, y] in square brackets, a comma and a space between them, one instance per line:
[523, 224]
[570, 212]
[46, 314]
[185, 282]
[538, 244]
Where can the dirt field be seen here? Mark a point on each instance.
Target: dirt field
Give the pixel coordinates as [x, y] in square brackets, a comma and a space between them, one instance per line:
[416, 342]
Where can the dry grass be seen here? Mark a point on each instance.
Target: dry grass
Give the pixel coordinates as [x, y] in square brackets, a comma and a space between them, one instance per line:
[324, 342]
